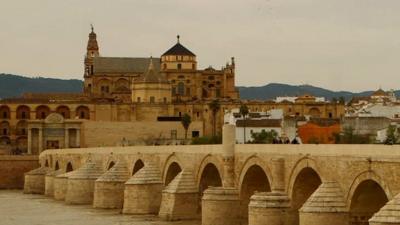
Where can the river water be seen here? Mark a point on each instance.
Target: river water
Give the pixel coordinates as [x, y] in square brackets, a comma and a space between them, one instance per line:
[17, 208]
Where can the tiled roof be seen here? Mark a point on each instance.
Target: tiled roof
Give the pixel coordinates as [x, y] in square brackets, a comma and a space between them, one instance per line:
[104, 65]
[179, 49]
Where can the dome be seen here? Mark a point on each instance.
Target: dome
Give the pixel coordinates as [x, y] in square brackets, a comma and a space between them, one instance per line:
[179, 49]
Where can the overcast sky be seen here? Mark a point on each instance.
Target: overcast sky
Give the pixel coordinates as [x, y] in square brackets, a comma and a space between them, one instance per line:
[336, 44]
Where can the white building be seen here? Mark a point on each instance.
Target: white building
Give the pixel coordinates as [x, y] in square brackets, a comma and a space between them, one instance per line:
[255, 122]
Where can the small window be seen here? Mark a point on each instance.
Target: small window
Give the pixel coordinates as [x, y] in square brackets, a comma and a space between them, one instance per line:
[193, 66]
[5, 131]
[179, 66]
[152, 99]
[188, 81]
[188, 91]
[211, 77]
[82, 115]
[165, 66]
[211, 85]
[195, 133]
[165, 100]
[5, 115]
[204, 82]
[218, 82]
[330, 115]
[138, 99]
[198, 114]
[180, 114]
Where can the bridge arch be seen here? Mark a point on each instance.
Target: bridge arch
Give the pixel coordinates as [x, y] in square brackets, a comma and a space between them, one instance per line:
[209, 176]
[69, 167]
[368, 193]
[139, 164]
[56, 166]
[110, 165]
[305, 178]
[172, 168]
[206, 162]
[255, 176]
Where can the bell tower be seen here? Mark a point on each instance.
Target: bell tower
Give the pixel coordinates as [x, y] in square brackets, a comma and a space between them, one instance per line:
[92, 51]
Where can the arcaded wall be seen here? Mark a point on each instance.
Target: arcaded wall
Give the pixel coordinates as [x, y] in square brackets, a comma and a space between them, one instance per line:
[13, 168]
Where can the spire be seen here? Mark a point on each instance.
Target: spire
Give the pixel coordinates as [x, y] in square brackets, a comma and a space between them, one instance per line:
[92, 45]
[177, 38]
[151, 65]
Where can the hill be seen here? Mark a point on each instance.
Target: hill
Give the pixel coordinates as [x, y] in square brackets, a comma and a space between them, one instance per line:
[14, 86]
[273, 90]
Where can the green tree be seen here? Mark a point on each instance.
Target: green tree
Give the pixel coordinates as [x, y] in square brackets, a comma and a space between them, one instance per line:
[342, 100]
[214, 106]
[186, 121]
[349, 137]
[391, 135]
[244, 111]
[264, 137]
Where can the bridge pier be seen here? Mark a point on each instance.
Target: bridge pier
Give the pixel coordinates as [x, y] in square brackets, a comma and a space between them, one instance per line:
[109, 188]
[269, 208]
[60, 183]
[142, 194]
[220, 206]
[388, 214]
[80, 188]
[180, 198]
[325, 204]
[49, 182]
[35, 180]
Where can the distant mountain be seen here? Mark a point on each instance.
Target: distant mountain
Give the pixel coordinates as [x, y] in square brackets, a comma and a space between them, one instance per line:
[273, 90]
[14, 86]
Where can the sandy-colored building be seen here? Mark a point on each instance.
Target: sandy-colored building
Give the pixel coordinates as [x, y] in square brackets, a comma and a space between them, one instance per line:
[130, 101]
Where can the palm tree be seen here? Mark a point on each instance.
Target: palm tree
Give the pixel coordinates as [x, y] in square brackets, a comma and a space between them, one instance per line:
[244, 111]
[214, 105]
[186, 121]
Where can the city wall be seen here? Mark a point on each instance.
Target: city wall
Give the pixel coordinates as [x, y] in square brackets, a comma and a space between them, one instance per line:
[13, 168]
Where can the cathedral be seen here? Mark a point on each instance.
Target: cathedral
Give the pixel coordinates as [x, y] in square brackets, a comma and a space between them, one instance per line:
[134, 101]
[174, 77]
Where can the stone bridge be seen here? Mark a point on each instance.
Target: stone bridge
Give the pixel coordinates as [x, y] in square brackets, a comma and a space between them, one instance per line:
[230, 184]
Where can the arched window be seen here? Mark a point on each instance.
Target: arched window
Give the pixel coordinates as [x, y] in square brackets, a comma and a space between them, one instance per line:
[179, 66]
[181, 88]
[42, 112]
[5, 112]
[83, 112]
[23, 112]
